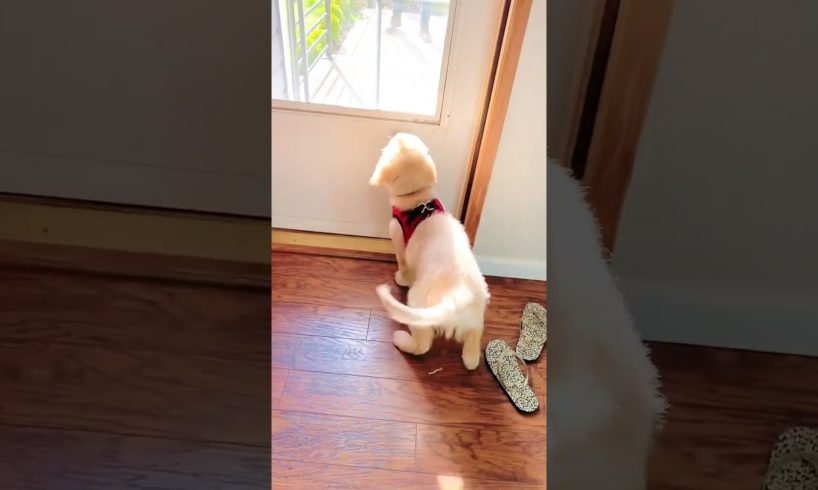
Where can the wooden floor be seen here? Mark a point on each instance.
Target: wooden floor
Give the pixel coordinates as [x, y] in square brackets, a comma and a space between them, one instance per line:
[116, 382]
[111, 382]
[727, 409]
[351, 411]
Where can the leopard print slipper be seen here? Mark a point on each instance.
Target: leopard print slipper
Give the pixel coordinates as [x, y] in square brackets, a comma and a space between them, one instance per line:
[504, 364]
[533, 331]
[794, 461]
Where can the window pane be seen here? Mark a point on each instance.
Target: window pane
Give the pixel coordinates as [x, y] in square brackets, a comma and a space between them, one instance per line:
[367, 54]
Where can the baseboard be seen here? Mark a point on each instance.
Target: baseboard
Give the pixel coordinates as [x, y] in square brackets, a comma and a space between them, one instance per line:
[66, 258]
[330, 240]
[513, 268]
[327, 244]
[62, 234]
[333, 252]
[381, 249]
[724, 317]
[142, 231]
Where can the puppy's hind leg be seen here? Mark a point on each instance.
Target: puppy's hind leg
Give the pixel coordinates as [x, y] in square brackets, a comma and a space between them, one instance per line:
[418, 342]
[402, 276]
[471, 348]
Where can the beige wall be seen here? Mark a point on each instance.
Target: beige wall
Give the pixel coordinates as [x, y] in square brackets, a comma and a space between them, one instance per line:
[511, 237]
[719, 233]
[154, 103]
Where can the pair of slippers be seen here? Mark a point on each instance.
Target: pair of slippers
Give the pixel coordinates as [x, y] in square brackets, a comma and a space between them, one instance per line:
[509, 365]
[794, 461]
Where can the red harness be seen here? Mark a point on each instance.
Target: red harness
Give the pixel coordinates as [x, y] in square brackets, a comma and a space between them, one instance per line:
[411, 218]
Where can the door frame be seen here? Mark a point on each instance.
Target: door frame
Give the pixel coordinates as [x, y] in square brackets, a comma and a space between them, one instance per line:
[500, 80]
[473, 41]
[625, 49]
[510, 35]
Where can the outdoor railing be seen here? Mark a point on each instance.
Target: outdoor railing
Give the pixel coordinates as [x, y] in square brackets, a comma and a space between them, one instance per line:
[300, 51]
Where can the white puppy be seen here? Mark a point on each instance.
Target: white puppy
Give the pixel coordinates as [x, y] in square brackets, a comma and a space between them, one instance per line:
[448, 294]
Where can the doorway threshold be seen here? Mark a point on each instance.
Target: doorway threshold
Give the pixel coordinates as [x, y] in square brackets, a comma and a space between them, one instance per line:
[332, 245]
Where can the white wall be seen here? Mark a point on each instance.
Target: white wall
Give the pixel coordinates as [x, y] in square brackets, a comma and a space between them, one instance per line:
[719, 230]
[153, 103]
[511, 238]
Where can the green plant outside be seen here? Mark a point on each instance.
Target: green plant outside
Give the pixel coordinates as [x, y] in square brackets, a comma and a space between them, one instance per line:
[343, 13]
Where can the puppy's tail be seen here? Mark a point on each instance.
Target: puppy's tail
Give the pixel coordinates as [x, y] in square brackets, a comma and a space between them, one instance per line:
[423, 317]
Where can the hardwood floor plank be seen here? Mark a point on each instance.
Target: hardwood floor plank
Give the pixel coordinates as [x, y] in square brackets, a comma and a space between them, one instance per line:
[509, 296]
[292, 475]
[403, 401]
[332, 281]
[284, 348]
[727, 408]
[381, 326]
[346, 282]
[713, 448]
[721, 378]
[443, 354]
[134, 392]
[126, 314]
[505, 309]
[115, 355]
[326, 321]
[343, 440]
[384, 360]
[45, 459]
[335, 375]
[501, 454]
[279, 377]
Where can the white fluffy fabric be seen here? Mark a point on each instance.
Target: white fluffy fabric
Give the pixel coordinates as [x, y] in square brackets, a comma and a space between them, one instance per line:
[604, 403]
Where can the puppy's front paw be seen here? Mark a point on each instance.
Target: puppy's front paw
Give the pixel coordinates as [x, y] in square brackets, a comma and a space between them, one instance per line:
[401, 279]
[471, 360]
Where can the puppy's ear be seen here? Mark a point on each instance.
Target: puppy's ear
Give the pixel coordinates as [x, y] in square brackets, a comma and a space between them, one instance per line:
[381, 175]
[400, 141]
[375, 180]
[384, 166]
[409, 141]
[431, 170]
